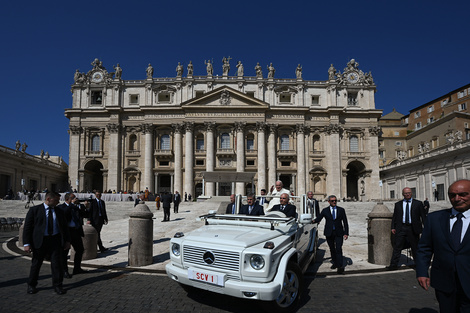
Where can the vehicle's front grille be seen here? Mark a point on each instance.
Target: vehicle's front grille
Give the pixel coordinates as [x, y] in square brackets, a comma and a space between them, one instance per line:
[224, 260]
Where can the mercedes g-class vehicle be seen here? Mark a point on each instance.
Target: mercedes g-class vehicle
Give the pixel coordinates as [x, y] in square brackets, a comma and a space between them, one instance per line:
[252, 257]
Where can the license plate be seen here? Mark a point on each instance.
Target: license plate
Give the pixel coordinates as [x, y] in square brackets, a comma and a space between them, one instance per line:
[206, 277]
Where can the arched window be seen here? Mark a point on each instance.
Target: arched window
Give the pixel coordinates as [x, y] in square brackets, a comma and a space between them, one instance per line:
[285, 142]
[225, 141]
[132, 142]
[200, 142]
[250, 142]
[95, 143]
[165, 142]
[353, 144]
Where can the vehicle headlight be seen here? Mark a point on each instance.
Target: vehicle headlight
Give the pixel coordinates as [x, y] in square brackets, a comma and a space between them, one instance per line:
[175, 249]
[257, 261]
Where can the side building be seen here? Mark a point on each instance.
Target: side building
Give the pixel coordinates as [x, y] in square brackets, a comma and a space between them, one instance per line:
[20, 170]
[169, 134]
[434, 151]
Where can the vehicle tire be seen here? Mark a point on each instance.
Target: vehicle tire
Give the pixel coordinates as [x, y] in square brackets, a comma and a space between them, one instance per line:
[292, 288]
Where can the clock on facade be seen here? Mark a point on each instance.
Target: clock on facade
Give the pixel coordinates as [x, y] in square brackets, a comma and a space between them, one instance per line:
[353, 77]
[97, 77]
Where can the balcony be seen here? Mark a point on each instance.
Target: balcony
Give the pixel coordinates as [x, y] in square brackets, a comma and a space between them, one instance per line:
[133, 153]
[163, 153]
[225, 152]
[286, 154]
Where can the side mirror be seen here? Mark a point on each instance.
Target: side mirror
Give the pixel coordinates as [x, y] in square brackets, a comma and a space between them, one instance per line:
[305, 218]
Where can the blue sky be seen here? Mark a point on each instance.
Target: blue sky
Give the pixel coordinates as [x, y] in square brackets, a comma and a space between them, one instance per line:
[416, 50]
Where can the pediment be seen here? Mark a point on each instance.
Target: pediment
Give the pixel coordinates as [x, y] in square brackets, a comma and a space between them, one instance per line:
[225, 97]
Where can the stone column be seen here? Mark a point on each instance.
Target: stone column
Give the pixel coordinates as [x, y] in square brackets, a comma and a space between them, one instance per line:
[114, 149]
[261, 127]
[272, 155]
[156, 182]
[74, 154]
[209, 189]
[178, 148]
[239, 129]
[189, 156]
[333, 184]
[147, 130]
[307, 142]
[373, 188]
[300, 129]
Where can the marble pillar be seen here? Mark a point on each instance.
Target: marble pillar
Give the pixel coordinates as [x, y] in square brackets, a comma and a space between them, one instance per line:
[114, 173]
[209, 189]
[261, 127]
[300, 128]
[189, 158]
[240, 131]
[271, 156]
[147, 130]
[178, 148]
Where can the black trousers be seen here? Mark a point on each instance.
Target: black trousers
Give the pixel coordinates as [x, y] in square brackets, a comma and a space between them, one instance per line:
[51, 245]
[98, 228]
[404, 234]
[336, 249]
[175, 207]
[166, 214]
[77, 244]
[456, 301]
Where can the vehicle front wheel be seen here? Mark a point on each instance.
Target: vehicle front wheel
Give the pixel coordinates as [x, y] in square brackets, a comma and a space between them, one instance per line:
[292, 288]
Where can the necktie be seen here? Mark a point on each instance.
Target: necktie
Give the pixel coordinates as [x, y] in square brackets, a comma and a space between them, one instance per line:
[334, 216]
[99, 207]
[456, 232]
[50, 222]
[283, 207]
[233, 208]
[249, 209]
[407, 212]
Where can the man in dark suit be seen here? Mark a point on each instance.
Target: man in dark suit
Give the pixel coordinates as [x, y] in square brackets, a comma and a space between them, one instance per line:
[231, 209]
[407, 224]
[251, 208]
[262, 199]
[426, 206]
[446, 237]
[336, 229]
[288, 209]
[46, 233]
[176, 201]
[74, 214]
[167, 198]
[98, 217]
[312, 205]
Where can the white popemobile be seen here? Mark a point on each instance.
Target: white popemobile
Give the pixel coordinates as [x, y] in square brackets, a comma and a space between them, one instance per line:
[251, 257]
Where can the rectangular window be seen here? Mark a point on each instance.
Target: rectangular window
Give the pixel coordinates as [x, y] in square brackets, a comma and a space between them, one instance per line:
[397, 133]
[285, 97]
[250, 94]
[199, 93]
[462, 106]
[430, 120]
[199, 162]
[134, 99]
[418, 126]
[250, 162]
[250, 145]
[417, 114]
[164, 97]
[352, 99]
[444, 102]
[97, 97]
[381, 154]
[164, 163]
[462, 93]
[315, 100]
[285, 163]
[392, 194]
[200, 144]
[431, 109]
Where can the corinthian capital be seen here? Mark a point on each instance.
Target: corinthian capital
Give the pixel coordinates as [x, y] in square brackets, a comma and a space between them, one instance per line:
[146, 128]
[374, 130]
[189, 126]
[210, 126]
[273, 128]
[261, 126]
[300, 128]
[240, 126]
[75, 130]
[113, 128]
[177, 128]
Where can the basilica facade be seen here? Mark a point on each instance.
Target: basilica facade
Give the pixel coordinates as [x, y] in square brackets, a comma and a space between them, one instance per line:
[169, 133]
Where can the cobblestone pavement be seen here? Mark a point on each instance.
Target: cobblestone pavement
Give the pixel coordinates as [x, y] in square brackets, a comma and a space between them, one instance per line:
[124, 291]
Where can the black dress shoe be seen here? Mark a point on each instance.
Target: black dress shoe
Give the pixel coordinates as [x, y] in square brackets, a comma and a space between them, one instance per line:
[391, 268]
[79, 271]
[103, 249]
[59, 290]
[333, 267]
[340, 270]
[32, 290]
[67, 275]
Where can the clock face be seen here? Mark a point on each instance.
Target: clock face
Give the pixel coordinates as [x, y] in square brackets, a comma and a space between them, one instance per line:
[97, 77]
[353, 77]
